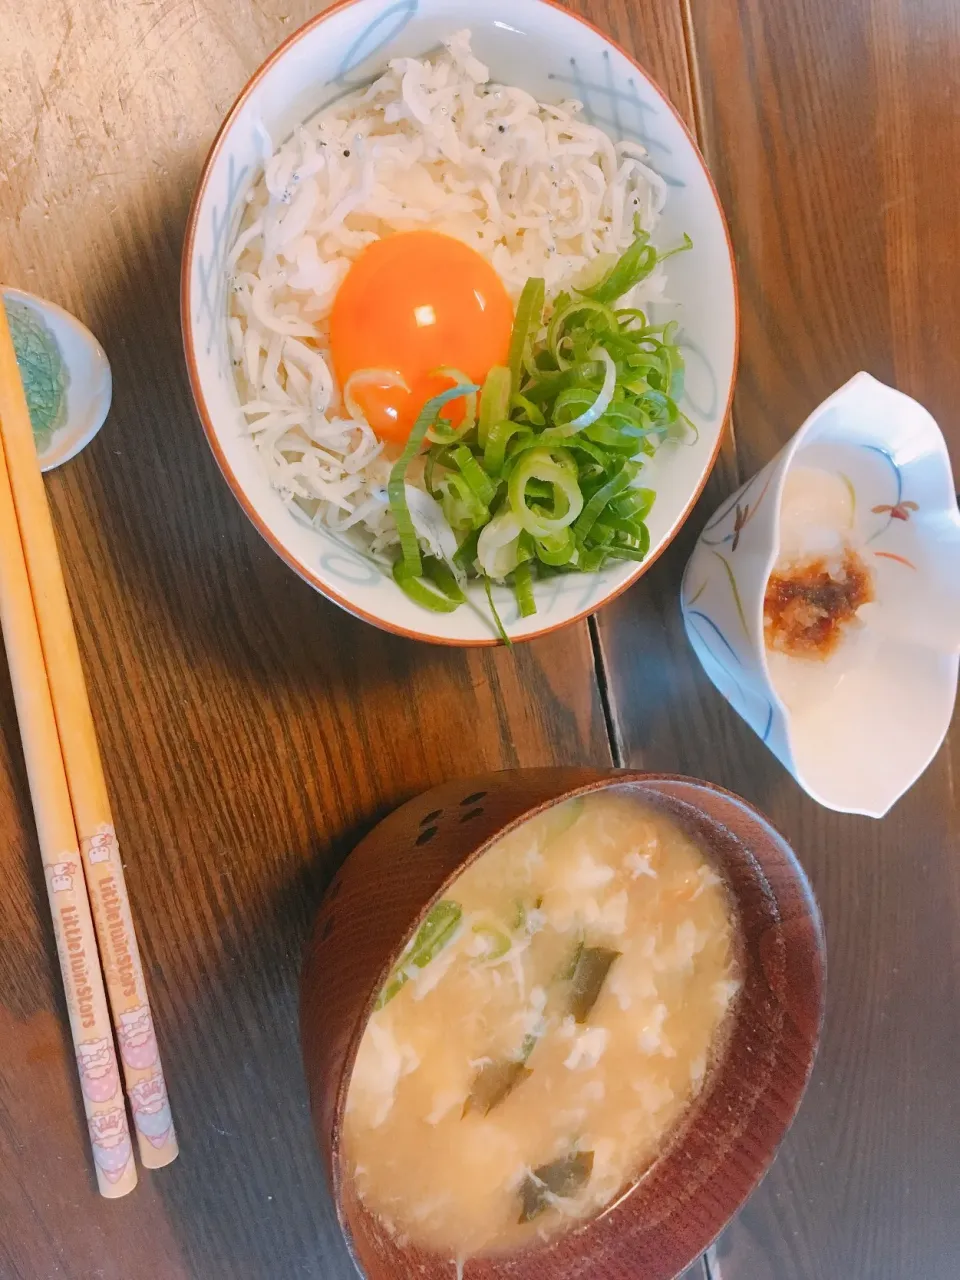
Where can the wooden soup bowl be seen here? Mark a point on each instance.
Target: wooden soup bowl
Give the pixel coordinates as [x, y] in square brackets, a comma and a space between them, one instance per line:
[726, 1141]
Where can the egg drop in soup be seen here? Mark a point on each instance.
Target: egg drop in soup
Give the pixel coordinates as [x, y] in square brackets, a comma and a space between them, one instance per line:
[545, 1031]
[413, 304]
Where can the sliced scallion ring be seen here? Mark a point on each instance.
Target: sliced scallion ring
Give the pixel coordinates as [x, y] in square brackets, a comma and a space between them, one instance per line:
[443, 432]
[498, 438]
[558, 322]
[557, 549]
[558, 472]
[368, 378]
[396, 486]
[497, 550]
[603, 398]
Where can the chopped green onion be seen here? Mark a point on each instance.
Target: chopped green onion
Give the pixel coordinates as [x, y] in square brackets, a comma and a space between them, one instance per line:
[555, 329]
[615, 439]
[627, 315]
[569, 404]
[528, 409]
[603, 397]
[557, 549]
[523, 589]
[498, 547]
[434, 934]
[591, 512]
[442, 432]
[685, 244]
[545, 481]
[396, 492]
[501, 630]
[435, 587]
[635, 504]
[547, 465]
[635, 265]
[369, 378]
[498, 437]
[547, 385]
[618, 552]
[461, 506]
[467, 551]
[526, 324]
[494, 401]
[429, 469]
[499, 942]
[474, 474]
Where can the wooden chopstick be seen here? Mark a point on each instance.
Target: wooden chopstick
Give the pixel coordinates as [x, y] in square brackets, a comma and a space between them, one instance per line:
[103, 871]
[63, 871]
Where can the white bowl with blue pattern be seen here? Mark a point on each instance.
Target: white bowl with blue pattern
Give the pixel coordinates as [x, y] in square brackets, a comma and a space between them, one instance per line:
[553, 54]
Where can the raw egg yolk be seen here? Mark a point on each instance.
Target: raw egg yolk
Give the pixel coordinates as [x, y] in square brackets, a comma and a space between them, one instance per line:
[413, 303]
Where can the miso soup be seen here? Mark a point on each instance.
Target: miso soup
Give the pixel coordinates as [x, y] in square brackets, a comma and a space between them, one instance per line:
[544, 1032]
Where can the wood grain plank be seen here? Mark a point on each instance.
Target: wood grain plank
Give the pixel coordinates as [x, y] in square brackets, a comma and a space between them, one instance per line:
[250, 730]
[830, 129]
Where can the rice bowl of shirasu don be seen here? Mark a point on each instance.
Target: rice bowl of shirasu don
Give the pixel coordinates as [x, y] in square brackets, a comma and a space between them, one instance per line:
[255, 345]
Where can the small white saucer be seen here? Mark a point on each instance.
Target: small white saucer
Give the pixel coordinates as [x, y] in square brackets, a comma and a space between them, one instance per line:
[65, 373]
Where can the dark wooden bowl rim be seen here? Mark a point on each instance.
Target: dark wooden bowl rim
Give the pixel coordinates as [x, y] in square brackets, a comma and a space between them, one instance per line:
[727, 1140]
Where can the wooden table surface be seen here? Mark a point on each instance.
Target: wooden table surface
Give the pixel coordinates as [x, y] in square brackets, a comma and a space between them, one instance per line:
[251, 731]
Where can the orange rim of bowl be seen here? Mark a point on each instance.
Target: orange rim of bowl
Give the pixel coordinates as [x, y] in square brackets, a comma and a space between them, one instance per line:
[186, 324]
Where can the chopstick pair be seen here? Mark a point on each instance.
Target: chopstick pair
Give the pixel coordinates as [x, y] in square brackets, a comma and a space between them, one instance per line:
[96, 943]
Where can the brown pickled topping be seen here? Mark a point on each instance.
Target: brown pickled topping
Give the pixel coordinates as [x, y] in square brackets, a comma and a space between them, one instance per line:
[808, 604]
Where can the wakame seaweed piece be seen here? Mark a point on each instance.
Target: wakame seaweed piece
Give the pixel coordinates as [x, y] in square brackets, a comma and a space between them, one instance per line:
[433, 935]
[530, 1042]
[494, 1082]
[567, 972]
[562, 1178]
[589, 974]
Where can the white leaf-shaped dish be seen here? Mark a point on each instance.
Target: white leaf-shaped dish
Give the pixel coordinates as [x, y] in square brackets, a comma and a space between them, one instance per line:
[65, 373]
[864, 731]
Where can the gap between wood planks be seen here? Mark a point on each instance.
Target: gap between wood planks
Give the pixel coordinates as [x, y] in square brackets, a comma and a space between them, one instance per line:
[614, 736]
[700, 131]
[709, 1260]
